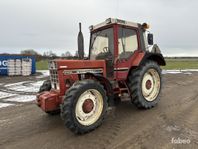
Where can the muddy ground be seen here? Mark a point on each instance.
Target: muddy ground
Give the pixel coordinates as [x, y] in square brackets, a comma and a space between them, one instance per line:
[24, 126]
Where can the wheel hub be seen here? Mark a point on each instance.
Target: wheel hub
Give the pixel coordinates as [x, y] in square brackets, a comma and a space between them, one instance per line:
[87, 106]
[151, 85]
[148, 84]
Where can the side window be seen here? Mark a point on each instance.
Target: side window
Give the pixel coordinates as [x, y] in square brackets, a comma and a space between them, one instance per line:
[127, 42]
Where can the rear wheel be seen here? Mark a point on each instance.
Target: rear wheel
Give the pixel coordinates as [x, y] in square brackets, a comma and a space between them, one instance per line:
[84, 106]
[145, 85]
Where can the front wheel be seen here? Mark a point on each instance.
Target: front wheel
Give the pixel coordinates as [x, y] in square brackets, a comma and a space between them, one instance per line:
[46, 86]
[145, 85]
[84, 106]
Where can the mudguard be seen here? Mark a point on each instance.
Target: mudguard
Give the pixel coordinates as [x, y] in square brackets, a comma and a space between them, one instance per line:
[157, 57]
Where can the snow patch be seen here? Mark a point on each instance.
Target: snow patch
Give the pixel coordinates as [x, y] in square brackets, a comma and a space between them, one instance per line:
[4, 122]
[45, 73]
[171, 71]
[173, 128]
[23, 98]
[191, 70]
[16, 84]
[6, 95]
[37, 84]
[25, 86]
[3, 105]
[188, 73]
[184, 71]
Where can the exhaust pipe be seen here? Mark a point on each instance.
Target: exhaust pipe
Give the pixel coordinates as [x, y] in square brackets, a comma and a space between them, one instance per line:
[80, 43]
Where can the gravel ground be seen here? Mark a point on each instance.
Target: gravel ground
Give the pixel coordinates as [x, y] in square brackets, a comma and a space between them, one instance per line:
[23, 125]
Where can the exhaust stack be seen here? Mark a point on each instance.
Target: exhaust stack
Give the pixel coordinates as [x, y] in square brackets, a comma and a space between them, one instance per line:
[80, 43]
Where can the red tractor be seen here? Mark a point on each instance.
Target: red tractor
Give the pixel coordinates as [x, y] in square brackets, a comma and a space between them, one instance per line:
[119, 64]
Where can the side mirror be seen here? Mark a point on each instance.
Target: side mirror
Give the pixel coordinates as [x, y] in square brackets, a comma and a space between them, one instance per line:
[150, 39]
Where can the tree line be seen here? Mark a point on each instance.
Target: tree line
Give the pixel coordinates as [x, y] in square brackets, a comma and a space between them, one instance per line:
[49, 54]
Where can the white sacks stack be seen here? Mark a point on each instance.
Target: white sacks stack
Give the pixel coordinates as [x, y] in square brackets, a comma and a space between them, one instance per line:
[26, 66]
[17, 67]
[11, 67]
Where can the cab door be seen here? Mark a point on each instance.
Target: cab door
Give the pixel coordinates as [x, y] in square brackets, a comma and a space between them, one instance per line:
[127, 46]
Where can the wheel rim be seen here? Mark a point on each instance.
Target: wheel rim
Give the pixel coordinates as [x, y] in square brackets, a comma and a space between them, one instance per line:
[151, 85]
[89, 107]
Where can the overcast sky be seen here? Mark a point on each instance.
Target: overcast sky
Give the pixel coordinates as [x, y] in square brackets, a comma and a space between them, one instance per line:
[53, 24]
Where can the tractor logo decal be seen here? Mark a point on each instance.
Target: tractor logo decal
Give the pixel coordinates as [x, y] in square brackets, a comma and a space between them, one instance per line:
[82, 71]
[121, 69]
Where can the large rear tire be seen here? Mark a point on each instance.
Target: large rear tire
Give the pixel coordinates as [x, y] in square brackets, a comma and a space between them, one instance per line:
[84, 106]
[145, 85]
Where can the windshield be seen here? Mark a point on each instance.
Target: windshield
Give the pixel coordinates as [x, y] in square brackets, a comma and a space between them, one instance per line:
[102, 46]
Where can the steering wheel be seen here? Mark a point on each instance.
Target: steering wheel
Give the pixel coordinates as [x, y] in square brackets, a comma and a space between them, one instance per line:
[106, 49]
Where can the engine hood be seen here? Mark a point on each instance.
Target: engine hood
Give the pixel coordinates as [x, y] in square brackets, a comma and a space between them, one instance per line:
[80, 64]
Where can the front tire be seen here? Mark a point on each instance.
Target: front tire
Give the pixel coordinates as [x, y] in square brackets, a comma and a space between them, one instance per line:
[145, 85]
[84, 106]
[46, 86]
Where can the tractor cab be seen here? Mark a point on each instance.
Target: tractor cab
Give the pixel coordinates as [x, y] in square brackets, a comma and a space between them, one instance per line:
[116, 41]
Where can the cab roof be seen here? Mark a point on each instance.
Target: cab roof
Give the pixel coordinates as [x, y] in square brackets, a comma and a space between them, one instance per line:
[114, 21]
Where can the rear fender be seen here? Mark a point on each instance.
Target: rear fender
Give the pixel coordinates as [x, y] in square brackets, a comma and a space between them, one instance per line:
[157, 57]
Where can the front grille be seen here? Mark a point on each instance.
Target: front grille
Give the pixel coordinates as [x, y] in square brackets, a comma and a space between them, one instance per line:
[54, 75]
